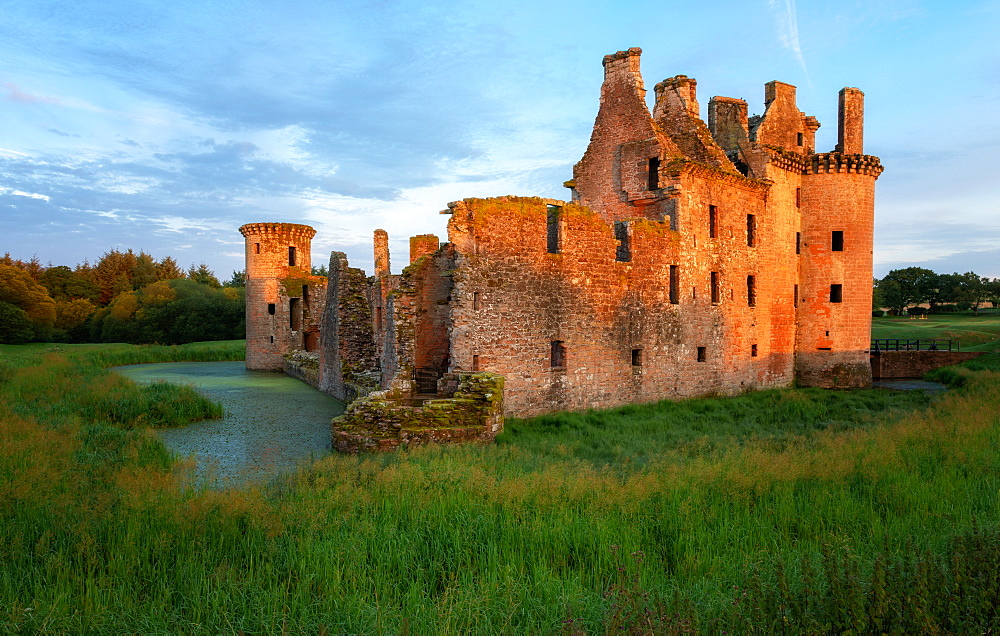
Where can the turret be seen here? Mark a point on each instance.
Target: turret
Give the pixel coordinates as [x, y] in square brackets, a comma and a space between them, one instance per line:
[278, 262]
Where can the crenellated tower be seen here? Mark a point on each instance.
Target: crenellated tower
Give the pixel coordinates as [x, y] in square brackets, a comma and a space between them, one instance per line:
[280, 292]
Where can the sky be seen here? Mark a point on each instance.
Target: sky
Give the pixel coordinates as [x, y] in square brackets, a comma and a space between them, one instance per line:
[165, 125]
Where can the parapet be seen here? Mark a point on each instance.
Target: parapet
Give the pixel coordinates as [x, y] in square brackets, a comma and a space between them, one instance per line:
[287, 229]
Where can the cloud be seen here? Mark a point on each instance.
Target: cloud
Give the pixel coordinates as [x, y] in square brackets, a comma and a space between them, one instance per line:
[15, 94]
[788, 30]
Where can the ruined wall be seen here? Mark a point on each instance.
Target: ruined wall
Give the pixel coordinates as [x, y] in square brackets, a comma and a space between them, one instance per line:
[624, 340]
[348, 361]
[384, 421]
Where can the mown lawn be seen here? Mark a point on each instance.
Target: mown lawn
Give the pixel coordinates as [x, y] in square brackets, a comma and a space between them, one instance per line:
[799, 511]
[975, 333]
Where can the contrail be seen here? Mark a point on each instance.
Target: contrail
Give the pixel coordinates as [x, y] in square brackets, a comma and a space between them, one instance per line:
[788, 30]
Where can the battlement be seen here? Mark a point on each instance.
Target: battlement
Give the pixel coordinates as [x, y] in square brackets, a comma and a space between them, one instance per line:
[839, 162]
[284, 229]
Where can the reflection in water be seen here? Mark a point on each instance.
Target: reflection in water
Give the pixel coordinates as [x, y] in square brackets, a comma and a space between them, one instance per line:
[272, 422]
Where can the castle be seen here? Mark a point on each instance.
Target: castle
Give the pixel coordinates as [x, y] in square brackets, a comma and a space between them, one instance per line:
[692, 259]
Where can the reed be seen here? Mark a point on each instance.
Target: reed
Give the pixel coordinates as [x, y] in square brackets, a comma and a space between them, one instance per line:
[796, 511]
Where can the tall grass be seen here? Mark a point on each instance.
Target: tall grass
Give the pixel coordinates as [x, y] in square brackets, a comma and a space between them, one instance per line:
[797, 511]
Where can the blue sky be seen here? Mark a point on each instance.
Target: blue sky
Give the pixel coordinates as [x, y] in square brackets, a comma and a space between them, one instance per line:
[164, 126]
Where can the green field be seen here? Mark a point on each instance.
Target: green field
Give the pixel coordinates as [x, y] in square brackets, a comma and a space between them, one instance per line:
[975, 333]
[796, 510]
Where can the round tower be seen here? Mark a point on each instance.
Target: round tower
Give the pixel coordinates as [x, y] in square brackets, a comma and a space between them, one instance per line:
[275, 252]
[835, 267]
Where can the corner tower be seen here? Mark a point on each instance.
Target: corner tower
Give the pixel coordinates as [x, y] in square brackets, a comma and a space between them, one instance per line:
[835, 266]
[278, 280]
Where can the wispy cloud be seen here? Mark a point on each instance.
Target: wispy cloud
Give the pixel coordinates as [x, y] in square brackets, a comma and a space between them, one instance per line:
[788, 30]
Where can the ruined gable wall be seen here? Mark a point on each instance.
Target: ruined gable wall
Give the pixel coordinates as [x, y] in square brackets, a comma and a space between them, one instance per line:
[347, 359]
[623, 140]
[512, 299]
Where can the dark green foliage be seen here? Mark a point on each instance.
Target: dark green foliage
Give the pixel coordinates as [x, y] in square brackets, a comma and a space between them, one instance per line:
[15, 325]
[172, 312]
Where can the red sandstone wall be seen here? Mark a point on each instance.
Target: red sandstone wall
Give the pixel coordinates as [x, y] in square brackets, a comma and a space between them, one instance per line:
[267, 266]
[602, 308]
[914, 364]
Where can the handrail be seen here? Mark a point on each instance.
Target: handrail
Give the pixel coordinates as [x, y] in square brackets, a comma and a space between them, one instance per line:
[878, 345]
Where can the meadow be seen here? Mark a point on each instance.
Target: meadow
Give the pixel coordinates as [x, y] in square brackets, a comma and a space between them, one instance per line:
[975, 333]
[797, 510]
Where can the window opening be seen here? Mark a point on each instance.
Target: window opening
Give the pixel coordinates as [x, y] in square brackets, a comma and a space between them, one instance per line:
[751, 230]
[799, 139]
[753, 351]
[715, 288]
[751, 291]
[674, 284]
[291, 255]
[636, 357]
[798, 242]
[795, 296]
[270, 308]
[824, 348]
[554, 240]
[836, 293]
[713, 222]
[475, 301]
[475, 363]
[798, 197]
[837, 241]
[272, 339]
[305, 298]
[256, 248]
[378, 319]
[701, 354]
[624, 251]
[654, 174]
[558, 356]
[295, 313]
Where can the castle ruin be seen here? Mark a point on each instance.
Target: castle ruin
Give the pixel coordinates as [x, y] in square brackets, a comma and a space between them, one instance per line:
[691, 259]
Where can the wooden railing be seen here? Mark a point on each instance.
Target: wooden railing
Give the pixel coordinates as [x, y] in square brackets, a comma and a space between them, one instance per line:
[879, 345]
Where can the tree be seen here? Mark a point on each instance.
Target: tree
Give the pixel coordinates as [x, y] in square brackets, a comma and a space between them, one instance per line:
[971, 288]
[113, 274]
[901, 288]
[19, 289]
[64, 284]
[320, 271]
[168, 269]
[204, 276]
[239, 279]
[144, 272]
[15, 325]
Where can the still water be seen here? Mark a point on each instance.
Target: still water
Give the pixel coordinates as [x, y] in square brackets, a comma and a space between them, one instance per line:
[273, 423]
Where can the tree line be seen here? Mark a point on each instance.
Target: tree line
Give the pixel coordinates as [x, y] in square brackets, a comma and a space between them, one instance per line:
[907, 290]
[124, 297]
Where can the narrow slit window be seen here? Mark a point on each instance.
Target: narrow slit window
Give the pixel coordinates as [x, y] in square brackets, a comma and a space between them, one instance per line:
[475, 363]
[751, 291]
[798, 139]
[256, 248]
[837, 241]
[713, 222]
[295, 313]
[558, 354]
[270, 308]
[753, 351]
[751, 230]
[702, 355]
[378, 319]
[636, 357]
[798, 197]
[552, 231]
[798, 242]
[272, 339]
[795, 296]
[623, 253]
[836, 293]
[715, 287]
[475, 301]
[674, 284]
[305, 297]
[653, 177]
[291, 255]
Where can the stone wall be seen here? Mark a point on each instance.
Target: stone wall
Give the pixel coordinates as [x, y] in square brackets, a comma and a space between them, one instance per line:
[348, 362]
[914, 364]
[385, 420]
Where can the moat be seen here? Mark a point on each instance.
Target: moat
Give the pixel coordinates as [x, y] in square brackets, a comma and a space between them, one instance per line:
[273, 423]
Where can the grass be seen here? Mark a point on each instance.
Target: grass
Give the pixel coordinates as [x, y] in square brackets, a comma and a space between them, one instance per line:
[795, 511]
[976, 333]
